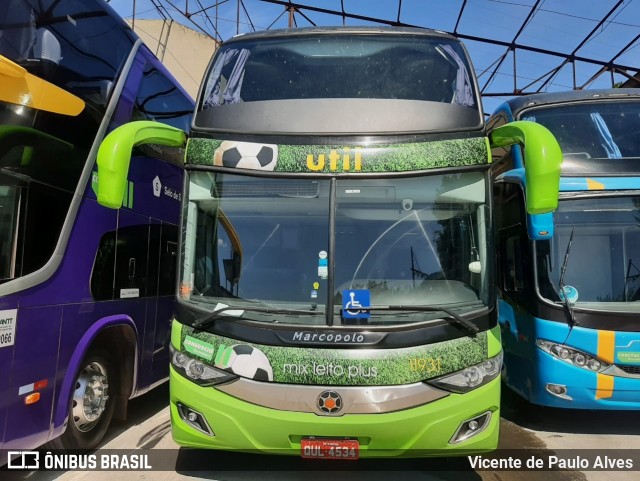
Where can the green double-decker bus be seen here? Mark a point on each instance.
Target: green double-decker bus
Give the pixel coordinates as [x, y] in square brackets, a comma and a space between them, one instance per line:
[336, 295]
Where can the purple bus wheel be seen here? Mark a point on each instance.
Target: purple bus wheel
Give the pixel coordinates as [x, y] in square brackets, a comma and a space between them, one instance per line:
[92, 403]
[90, 396]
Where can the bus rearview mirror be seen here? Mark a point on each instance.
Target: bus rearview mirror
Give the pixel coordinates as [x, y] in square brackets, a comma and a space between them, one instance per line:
[114, 155]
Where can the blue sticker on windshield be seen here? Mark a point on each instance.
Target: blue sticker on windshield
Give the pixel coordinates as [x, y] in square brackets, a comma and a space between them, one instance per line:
[356, 303]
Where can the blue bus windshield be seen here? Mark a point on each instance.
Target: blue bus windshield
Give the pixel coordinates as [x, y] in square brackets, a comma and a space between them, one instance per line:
[602, 130]
[604, 261]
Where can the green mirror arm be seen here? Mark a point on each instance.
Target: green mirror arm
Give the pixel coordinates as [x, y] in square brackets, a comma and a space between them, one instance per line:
[114, 155]
[542, 157]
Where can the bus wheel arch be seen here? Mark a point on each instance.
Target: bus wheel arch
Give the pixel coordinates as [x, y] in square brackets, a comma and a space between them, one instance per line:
[102, 385]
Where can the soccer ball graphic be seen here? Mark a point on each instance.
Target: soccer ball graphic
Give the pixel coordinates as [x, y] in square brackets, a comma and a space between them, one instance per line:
[330, 402]
[246, 155]
[247, 361]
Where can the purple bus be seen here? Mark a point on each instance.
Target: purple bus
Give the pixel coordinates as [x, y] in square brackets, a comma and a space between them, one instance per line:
[86, 292]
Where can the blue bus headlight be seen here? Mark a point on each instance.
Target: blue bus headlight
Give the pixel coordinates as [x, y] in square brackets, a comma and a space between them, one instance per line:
[573, 356]
[196, 370]
[470, 377]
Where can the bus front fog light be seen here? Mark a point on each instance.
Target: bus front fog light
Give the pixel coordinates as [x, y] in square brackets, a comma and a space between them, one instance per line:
[194, 419]
[471, 427]
[558, 390]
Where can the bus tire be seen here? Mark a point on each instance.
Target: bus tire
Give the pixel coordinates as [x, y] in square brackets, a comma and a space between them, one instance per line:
[92, 403]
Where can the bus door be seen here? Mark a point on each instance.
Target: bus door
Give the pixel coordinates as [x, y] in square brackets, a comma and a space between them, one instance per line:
[167, 244]
[131, 284]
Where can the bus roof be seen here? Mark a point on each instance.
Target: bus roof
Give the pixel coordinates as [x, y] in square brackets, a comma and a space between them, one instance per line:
[518, 104]
[340, 30]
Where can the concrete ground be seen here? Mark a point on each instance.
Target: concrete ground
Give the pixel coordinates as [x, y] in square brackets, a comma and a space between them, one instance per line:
[542, 431]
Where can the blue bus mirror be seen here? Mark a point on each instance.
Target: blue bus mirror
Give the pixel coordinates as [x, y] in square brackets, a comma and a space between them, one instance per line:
[540, 226]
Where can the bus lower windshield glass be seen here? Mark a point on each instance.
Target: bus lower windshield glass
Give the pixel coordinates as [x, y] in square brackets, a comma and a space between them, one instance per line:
[409, 241]
[603, 265]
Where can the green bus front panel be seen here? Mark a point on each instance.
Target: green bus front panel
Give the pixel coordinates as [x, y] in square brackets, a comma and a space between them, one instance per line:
[421, 431]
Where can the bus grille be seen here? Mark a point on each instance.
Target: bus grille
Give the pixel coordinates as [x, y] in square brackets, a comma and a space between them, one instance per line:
[630, 369]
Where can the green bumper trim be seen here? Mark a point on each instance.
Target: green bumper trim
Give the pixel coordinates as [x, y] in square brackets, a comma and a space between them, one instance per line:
[421, 431]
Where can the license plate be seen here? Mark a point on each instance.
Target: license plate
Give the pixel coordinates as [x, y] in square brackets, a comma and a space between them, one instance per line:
[329, 449]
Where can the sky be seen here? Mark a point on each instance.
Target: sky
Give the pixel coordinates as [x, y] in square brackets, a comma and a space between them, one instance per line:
[557, 25]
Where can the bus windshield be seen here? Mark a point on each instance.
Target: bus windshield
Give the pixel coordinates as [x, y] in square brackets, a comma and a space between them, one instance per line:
[410, 241]
[604, 260]
[321, 78]
[72, 46]
[602, 130]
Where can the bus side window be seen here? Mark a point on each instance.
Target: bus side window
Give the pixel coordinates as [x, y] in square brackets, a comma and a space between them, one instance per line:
[103, 267]
[121, 264]
[168, 254]
[131, 261]
[513, 273]
[159, 99]
[512, 237]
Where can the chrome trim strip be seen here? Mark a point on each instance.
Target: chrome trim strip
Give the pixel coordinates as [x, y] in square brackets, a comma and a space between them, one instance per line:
[614, 370]
[356, 399]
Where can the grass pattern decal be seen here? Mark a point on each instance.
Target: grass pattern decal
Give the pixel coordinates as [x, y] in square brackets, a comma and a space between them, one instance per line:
[336, 158]
[344, 367]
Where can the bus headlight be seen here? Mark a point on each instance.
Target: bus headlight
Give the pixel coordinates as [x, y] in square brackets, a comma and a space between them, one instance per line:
[573, 356]
[196, 370]
[470, 377]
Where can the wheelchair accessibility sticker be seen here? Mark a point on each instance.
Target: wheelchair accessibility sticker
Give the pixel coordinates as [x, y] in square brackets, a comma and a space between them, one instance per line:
[356, 304]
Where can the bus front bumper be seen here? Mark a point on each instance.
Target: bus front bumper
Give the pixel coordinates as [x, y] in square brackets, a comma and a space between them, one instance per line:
[581, 388]
[425, 430]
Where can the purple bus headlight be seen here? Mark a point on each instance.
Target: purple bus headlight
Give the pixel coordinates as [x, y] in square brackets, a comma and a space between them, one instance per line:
[470, 377]
[197, 371]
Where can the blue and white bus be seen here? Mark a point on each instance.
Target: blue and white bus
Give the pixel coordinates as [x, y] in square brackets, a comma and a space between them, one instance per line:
[570, 298]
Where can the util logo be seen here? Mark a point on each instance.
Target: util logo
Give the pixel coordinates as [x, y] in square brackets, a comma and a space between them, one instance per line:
[334, 157]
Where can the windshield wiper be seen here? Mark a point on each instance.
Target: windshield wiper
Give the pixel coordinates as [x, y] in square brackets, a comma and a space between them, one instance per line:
[210, 319]
[565, 299]
[452, 317]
